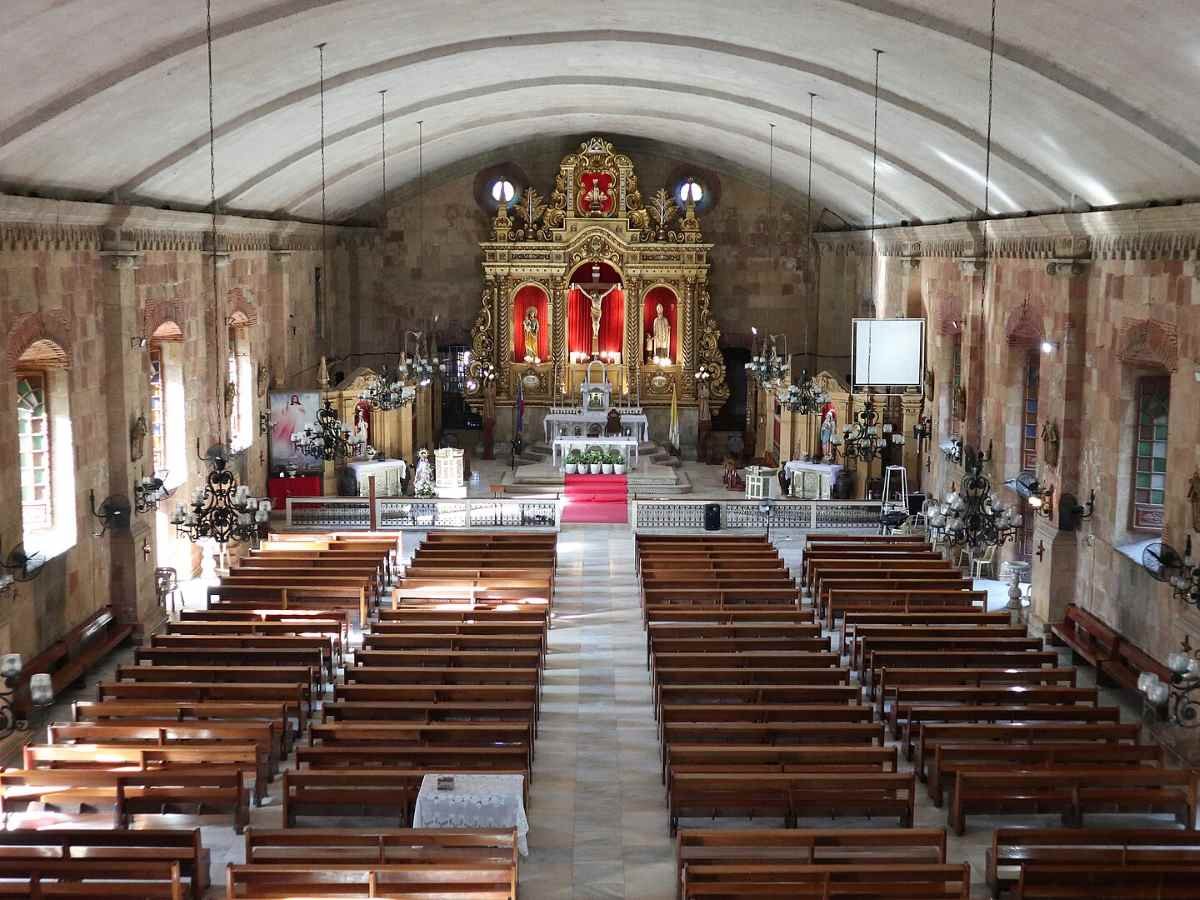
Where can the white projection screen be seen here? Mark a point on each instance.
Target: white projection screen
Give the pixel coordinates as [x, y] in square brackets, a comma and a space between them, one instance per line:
[888, 352]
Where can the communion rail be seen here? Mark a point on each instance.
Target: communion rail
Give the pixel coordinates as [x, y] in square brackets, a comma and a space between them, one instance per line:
[421, 514]
[809, 515]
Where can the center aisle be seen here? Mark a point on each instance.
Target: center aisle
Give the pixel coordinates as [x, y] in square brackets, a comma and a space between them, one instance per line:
[597, 814]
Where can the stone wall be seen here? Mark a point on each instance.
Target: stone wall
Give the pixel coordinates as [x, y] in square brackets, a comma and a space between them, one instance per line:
[1114, 296]
[94, 279]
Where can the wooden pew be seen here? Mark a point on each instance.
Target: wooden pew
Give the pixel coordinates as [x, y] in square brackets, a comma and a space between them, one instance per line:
[950, 758]
[921, 715]
[1014, 848]
[728, 615]
[868, 647]
[457, 640]
[1074, 791]
[1129, 661]
[455, 735]
[975, 616]
[258, 734]
[807, 846]
[290, 596]
[890, 678]
[320, 648]
[1163, 881]
[905, 697]
[428, 712]
[384, 792]
[430, 758]
[294, 697]
[164, 846]
[208, 787]
[932, 733]
[824, 575]
[232, 658]
[899, 882]
[70, 657]
[949, 634]
[478, 881]
[43, 879]
[265, 846]
[919, 589]
[906, 600]
[166, 712]
[1086, 635]
[792, 795]
[190, 675]
[246, 758]
[870, 558]
[765, 757]
[952, 659]
[330, 630]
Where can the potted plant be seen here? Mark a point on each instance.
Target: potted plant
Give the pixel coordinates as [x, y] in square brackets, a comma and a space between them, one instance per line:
[606, 462]
[617, 458]
[571, 463]
[595, 460]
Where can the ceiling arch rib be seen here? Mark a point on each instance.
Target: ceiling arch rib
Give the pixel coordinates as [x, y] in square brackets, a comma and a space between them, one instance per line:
[432, 106]
[910, 15]
[398, 63]
[562, 122]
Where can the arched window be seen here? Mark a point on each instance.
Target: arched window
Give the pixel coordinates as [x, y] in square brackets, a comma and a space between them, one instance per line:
[45, 449]
[1150, 452]
[1029, 410]
[503, 191]
[240, 390]
[690, 192]
[168, 439]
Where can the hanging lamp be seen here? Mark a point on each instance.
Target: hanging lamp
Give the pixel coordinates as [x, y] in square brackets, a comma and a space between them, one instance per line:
[222, 510]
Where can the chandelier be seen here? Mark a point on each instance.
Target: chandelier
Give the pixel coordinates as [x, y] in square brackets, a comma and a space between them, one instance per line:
[864, 439]
[805, 398]
[328, 439]
[973, 515]
[149, 492]
[766, 365]
[389, 390]
[222, 510]
[1174, 698]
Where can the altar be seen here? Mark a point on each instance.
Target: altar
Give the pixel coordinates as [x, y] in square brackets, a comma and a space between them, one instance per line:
[812, 481]
[564, 445]
[594, 274]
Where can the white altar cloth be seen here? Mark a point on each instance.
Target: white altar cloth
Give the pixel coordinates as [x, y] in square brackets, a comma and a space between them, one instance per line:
[812, 481]
[389, 477]
[477, 801]
[563, 424]
[564, 445]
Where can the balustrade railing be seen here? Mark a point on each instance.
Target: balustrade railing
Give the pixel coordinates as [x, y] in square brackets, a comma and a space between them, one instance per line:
[397, 514]
[809, 515]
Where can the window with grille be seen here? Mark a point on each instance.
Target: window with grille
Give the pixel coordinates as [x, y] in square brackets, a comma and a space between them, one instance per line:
[1150, 452]
[955, 385]
[33, 452]
[1029, 411]
[158, 421]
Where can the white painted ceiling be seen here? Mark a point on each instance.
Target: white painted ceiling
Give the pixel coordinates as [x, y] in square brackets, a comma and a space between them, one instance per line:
[1093, 98]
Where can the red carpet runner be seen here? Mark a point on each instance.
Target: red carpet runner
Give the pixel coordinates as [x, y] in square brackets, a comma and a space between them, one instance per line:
[596, 498]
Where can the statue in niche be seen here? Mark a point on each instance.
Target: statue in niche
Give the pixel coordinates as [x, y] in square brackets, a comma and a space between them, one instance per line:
[531, 327]
[828, 429]
[1194, 498]
[423, 479]
[703, 420]
[1050, 443]
[137, 438]
[658, 341]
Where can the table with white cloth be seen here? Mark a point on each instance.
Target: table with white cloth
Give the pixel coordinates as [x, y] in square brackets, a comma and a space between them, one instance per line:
[477, 801]
[564, 445]
[558, 424]
[389, 477]
[812, 481]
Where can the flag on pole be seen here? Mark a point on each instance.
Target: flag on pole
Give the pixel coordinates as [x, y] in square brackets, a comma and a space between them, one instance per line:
[520, 428]
[673, 436]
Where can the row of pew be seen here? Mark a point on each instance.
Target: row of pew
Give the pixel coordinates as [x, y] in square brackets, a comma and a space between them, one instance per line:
[292, 686]
[890, 676]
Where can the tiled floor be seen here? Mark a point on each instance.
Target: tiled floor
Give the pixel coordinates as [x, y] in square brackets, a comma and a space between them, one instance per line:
[597, 814]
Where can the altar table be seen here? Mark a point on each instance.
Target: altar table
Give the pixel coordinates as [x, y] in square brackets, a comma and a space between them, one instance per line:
[557, 424]
[389, 477]
[812, 481]
[477, 801]
[564, 445]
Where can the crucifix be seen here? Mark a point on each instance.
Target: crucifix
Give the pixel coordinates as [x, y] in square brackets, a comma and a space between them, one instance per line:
[596, 292]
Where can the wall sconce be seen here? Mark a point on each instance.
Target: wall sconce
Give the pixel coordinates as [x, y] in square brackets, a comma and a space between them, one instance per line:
[41, 691]
[149, 492]
[1186, 579]
[1039, 497]
[264, 422]
[113, 512]
[1049, 346]
[1173, 699]
[138, 343]
[1071, 513]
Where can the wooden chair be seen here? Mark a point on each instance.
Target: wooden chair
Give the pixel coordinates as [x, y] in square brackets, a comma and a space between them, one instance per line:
[166, 588]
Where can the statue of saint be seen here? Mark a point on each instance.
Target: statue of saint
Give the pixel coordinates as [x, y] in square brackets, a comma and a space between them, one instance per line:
[828, 427]
[423, 479]
[531, 326]
[660, 336]
[596, 309]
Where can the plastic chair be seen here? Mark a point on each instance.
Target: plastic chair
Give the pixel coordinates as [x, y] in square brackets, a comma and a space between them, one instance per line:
[986, 561]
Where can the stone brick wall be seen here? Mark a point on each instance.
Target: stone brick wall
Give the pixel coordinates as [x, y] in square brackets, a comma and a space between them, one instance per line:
[1117, 296]
[66, 275]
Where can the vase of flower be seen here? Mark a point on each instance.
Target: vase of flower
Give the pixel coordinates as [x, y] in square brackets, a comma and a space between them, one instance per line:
[617, 458]
[571, 463]
[595, 460]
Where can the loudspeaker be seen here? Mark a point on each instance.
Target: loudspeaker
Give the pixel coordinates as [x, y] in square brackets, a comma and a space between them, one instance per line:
[712, 516]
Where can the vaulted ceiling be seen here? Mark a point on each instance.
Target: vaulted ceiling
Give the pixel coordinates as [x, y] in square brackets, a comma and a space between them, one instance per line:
[1095, 100]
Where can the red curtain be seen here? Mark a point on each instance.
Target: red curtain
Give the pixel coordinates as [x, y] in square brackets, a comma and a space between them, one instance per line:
[531, 295]
[579, 322]
[670, 305]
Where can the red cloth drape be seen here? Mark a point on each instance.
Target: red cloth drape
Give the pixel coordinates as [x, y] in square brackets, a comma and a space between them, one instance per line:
[527, 296]
[670, 305]
[579, 322]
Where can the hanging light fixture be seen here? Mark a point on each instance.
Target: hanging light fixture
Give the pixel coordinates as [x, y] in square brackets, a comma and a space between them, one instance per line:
[1174, 698]
[328, 439]
[222, 510]
[805, 397]
[766, 365]
[973, 515]
[865, 438]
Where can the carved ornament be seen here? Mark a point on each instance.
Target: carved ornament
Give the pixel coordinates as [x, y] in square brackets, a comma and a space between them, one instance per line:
[1148, 343]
